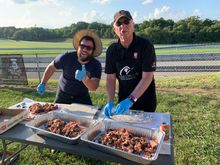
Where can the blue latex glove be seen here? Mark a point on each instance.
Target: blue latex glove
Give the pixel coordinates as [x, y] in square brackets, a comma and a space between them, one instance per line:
[123, 106]
[80, 74]
[41, 88]
[108, 109]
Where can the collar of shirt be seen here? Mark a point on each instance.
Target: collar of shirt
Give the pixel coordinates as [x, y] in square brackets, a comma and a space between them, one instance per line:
[131, 45]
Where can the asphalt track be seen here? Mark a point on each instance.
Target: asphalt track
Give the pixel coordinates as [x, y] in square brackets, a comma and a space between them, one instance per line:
[35, 75]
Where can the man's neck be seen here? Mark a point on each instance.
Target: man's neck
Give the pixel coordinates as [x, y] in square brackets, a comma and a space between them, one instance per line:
[83, 62]
[126, 42]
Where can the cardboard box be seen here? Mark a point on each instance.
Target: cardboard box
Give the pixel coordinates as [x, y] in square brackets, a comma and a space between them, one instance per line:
[11, 117]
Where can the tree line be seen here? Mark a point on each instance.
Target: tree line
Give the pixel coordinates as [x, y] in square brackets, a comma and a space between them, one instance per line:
[159, 31]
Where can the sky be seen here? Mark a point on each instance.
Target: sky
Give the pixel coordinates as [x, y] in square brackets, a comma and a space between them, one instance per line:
[60, 13]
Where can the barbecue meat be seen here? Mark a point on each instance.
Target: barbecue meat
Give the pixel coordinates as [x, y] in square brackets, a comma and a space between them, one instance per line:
[69, 129]
[127, 141]
[55, 126]
[38, 108]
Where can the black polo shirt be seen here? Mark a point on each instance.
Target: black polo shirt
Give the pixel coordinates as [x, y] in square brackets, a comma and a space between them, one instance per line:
[128, 64]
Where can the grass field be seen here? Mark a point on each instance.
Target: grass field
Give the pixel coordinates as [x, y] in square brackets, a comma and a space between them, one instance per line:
[36, 47]
[193, 102]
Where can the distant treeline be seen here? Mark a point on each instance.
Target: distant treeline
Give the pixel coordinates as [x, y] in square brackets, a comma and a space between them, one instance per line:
[159, 31]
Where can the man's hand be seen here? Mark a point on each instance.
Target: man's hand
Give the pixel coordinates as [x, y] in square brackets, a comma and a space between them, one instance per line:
[108, 109]
[123, 106]
[41, 88]
[80, 74]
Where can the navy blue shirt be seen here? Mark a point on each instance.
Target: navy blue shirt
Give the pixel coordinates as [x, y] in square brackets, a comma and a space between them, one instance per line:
[128, 65]
[69, 64]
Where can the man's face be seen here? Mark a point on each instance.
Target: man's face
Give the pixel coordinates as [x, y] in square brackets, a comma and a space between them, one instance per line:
[85, 50]
[124, 28]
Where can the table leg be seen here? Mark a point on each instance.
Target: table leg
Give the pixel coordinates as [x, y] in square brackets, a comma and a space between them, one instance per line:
[14, 155]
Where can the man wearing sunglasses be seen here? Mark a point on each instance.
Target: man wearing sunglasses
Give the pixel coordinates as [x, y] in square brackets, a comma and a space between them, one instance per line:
[81, 71]
[132, 61]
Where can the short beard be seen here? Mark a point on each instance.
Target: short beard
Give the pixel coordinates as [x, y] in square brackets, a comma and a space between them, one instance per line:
[83, 59]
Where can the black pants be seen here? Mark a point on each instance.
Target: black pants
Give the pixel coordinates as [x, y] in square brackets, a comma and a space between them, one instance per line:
[64, 98]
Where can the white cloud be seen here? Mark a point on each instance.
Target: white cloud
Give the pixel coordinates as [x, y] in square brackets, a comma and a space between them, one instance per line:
[217, 15]
[196, 12]
[167, 13]
[160, 12]
[23, 1]
[145, 2]
[101, 1]
[66, 13]
[94, 16]
[46, 2]
[136, 17]
[42, 13]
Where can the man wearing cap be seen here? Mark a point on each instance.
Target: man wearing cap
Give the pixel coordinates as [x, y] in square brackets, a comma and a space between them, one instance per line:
[132, 61]
[81, 71]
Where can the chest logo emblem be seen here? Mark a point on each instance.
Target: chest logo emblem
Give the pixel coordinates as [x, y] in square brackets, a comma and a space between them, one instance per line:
[125, 70]
[135, 55]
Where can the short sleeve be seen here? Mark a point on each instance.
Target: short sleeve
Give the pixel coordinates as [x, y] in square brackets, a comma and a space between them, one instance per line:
[96, 70]
[59, 61]
[148, 58]
[109, 62]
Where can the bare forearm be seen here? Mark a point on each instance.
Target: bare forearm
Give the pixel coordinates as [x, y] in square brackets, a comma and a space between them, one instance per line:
[92, 84]
[49, 71]
[110, 86]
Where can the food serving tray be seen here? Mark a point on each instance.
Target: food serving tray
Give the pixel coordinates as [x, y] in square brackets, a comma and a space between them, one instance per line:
[134, 117]
[99, 129]
[11, 117]
[39, 125]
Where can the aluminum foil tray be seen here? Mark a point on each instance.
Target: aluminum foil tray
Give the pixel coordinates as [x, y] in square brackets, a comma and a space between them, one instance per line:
[134, 117]
[39, 125]
[100, 128]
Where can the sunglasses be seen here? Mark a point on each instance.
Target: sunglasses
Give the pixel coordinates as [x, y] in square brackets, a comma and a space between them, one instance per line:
[126, 22]
[87, 47]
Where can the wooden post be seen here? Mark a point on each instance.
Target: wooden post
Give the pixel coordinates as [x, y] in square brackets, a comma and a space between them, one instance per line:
[38, 69]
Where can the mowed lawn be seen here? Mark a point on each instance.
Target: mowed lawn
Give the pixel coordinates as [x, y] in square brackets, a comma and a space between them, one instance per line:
[193, 103]
[53, 48]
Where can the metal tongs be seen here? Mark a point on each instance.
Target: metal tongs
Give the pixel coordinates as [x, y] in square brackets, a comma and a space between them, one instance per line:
[99, 113]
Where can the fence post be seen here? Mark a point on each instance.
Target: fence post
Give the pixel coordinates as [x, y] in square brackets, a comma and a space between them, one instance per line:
[38, 69]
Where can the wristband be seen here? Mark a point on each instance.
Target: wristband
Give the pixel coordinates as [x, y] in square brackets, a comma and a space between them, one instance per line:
[132, 98]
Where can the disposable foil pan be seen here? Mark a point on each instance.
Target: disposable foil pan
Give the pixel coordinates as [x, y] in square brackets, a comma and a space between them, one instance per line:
[100, 128]
[39, 125]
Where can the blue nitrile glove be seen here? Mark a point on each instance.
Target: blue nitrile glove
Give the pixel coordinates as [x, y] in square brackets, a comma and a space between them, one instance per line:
[41, 88]
[80, 74]
[123, 106]
[108, 108]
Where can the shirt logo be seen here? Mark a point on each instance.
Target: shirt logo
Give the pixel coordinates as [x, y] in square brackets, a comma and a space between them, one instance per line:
[154, 65]
[125, 70]
[135, 55]
[124, 73]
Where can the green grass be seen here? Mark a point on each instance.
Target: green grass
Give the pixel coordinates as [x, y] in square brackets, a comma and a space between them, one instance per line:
[195, 118]
[49, 44]
[35, 47]
[33, 44]
[68, 44]
[202, 81]
[186, 51]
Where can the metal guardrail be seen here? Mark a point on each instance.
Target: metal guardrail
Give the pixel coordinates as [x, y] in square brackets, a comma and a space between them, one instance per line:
[202, 57]
[160, 58]
[159, 69]
[188, 69]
